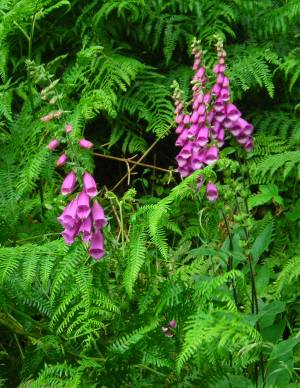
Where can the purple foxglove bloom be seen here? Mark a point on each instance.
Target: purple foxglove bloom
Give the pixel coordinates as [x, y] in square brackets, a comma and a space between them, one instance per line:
[225, 82]
[215, 128]
[195, 117]
[83, 205]
[202, 138]
[69, 216]
[179, 119]
[202, 119]
[219, 105]
[200, 73]
[220, 116]
[172, 324]
[62, 160]
[207, 98]
[86, 228]
[220, 79]
[185, 171]
[85, 144]
[246, 127]
[211, 155]
[186, 151]
[227, 123]
[69, 234]
[232, 112]
[221, 134]
[196, 163]
[181, 140]
[69, 183]
[89, 185]
[192, 131]
[97, 246]
[169, 334]
[68, 128]
[242, 138]
[222, 61]
[179, 129]
[216, 90]
[211, 116]
[249, 145]
[211, 192]
[202, 109]
[224, 94]
[181, 161]
[186, 119]
[53, 145]
[98, 216]
[216, 69]
[236, 130]
[196, 64]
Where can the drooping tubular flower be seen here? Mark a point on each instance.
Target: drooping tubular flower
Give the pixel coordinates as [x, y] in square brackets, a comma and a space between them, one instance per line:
[202, 131]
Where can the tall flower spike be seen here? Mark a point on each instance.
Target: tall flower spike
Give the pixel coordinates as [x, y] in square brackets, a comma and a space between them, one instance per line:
[69, 183]
[89, 185]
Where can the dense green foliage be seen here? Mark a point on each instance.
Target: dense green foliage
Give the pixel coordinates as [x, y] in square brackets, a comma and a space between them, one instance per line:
[227, 272]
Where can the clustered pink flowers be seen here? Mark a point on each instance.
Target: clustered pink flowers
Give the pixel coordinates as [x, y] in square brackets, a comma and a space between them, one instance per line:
[202, 132]
[79, 217]
[83, 215]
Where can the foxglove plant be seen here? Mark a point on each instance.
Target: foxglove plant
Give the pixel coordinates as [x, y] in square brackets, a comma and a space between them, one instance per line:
[80, 217]
[202, 131]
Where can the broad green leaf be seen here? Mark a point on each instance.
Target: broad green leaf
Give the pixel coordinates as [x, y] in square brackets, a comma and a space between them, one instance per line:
[262, 242]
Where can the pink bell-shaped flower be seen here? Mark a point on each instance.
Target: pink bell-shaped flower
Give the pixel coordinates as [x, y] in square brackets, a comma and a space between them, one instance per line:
[69, 234]
[53, 145]
[211, 192]
[69, 216]
[186, 151]
[83, 205]
[246, 127]
[202, 138]
[97, 246]
[62, 160]
[181, 161]
[85, 144]
[232, 112]
[89, 185]
[211, 155]
[194, 117]
[69, 183]
[179, 119]
[98, 215]
[86, 228]
[249, 145]
[196, 163]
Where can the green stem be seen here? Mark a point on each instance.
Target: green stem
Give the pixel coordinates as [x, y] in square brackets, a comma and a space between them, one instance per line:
[230, 259]
[30, 42]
